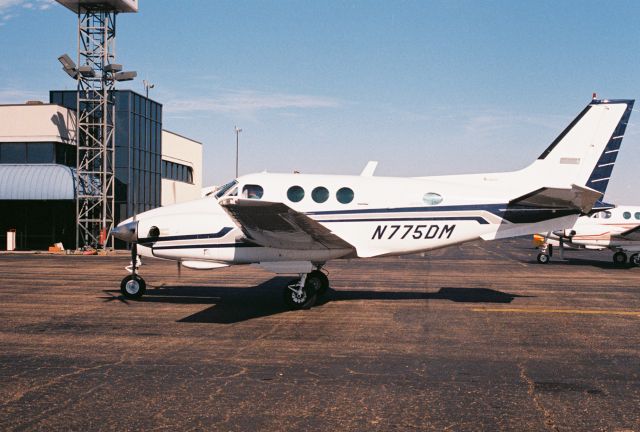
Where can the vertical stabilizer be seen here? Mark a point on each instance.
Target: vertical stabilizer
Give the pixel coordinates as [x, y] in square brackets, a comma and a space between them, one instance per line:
[585, 152]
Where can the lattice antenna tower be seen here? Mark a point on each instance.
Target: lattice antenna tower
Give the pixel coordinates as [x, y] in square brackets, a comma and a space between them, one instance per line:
[96, 74]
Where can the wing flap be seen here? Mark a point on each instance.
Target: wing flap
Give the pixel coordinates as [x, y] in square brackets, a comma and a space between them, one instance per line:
[576, 198]
[276, 225]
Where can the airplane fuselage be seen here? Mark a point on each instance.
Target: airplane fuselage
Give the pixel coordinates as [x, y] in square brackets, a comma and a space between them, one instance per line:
[377, 215]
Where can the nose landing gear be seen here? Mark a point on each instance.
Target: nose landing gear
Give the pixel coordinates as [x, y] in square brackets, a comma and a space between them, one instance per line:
[133, 286]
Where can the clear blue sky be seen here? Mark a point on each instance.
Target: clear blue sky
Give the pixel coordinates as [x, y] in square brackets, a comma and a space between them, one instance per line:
[425, 87]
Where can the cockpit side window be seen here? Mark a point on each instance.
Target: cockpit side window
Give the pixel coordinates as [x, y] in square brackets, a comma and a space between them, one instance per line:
[252, 191]
[223, 190]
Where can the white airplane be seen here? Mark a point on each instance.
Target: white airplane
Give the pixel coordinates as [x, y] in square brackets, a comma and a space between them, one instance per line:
[295, 223]
[617, 229]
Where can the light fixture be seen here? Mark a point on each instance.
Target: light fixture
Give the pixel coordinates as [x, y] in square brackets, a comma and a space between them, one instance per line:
[68, 66]
[125, 76]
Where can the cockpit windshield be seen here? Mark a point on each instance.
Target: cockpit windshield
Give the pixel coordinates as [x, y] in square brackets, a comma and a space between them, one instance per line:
[225, 188]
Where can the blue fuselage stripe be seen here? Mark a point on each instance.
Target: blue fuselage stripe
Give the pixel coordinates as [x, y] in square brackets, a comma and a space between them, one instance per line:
[478, 219]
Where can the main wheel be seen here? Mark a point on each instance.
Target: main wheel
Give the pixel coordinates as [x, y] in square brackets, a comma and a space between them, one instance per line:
[619, 258]
[133, 287]
[635, 259]
[543, 258]
[300, 298]
[324, 281]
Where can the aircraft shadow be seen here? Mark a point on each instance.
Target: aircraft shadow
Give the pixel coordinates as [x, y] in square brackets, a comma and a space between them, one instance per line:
[232, 304]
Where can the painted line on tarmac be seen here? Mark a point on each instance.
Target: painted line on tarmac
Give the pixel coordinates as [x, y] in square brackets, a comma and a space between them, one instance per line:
[560, 311]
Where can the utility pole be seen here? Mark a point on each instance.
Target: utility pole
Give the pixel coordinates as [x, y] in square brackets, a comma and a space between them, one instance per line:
[238, 130]
[147, 86]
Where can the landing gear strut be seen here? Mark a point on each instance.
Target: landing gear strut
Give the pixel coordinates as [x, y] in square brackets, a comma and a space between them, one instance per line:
[546, 252]
[303, 293]
[133, 286]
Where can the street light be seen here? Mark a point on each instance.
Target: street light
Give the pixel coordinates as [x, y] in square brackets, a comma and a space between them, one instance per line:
[238, 130]
[147, 86]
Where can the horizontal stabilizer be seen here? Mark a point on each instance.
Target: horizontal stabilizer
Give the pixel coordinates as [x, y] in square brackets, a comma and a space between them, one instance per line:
[576, 198]
[276, 225]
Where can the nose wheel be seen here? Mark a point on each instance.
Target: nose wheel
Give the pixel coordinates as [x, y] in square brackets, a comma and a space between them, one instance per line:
[133, 286]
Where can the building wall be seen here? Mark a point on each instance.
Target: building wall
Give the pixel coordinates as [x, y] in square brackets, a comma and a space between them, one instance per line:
[179, 152]
[138, 141]
[37, 123]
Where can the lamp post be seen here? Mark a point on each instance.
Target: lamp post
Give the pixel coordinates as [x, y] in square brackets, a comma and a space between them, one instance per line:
[238, 130]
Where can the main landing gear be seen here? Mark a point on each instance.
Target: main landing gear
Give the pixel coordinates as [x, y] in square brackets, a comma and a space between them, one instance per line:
[620, 259]
[303, 293]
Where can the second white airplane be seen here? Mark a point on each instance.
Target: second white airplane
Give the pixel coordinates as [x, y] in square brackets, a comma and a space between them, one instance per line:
[617, 229]
[295, 223]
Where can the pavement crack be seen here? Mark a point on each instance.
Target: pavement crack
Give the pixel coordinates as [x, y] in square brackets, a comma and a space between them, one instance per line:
[17, 396]
[549, 422]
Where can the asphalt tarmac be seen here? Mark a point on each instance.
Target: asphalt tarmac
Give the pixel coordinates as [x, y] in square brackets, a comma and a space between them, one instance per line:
[475, 337]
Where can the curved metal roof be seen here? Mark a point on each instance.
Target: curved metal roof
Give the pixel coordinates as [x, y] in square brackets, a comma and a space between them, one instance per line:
[36, 182]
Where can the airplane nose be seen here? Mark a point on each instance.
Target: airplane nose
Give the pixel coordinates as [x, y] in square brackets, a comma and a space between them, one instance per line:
[127, 231]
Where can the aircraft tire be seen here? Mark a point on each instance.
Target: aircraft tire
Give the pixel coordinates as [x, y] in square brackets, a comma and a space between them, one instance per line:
[543, 258]
[305, 300]
[635, 259]
[619, 259]
[133, 287]
[324, 282]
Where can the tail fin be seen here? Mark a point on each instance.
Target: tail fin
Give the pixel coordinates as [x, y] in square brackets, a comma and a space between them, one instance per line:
[585, 152]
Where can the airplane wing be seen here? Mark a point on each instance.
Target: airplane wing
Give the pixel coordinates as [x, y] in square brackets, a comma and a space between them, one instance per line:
[276, 225]
[578, 198]
[632, 234]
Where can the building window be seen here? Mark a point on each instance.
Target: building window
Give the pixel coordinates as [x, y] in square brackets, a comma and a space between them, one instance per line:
[36, 153]
[40, 153]
[177, 172]
[295, 194]
[13, 153]
[344, 195]
[320, 194]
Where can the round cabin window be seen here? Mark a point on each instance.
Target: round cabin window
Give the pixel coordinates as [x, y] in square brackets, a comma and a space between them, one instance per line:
[295, 193]
[344, 195]
[320, 194]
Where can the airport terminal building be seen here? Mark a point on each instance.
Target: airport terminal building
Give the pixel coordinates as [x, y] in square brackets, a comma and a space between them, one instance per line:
[153, 166]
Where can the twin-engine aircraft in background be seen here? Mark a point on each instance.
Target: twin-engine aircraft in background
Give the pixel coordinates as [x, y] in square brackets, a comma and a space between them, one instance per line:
[295, 223]
[617, 229]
